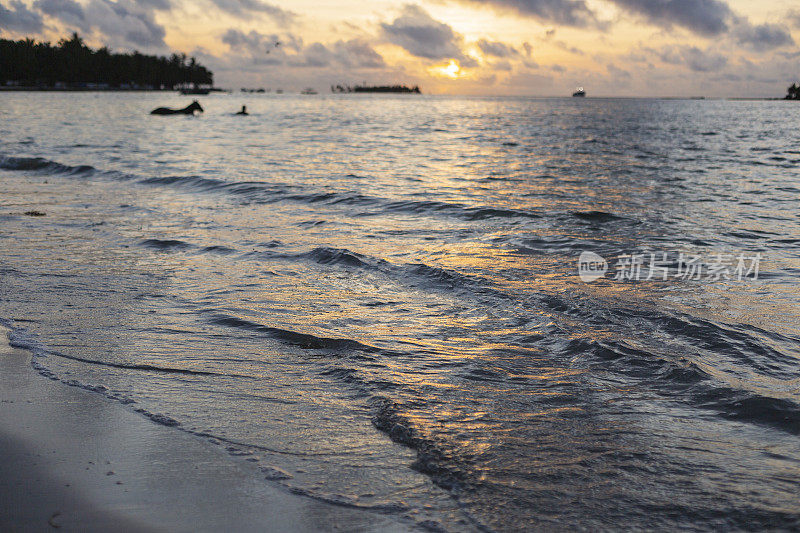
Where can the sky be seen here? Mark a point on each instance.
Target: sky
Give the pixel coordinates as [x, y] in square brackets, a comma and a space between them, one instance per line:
[712, 48]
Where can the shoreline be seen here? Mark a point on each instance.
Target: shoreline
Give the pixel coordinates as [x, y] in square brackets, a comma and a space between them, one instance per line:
[76, 460]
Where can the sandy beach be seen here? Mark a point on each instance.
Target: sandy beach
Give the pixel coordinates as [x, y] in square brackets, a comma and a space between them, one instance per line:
[77, 461]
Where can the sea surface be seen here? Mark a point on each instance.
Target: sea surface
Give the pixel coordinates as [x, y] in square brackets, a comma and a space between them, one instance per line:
[377, 298]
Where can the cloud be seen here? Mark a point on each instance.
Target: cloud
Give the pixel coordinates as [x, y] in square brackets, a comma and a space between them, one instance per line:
[566, 12]
[496, 48]
[290, 51]
[160, 5]
[696, 59]
[126, 23]
[67, 11]
[762, 37]
[422, 36]
[19, 18]
[252, 41]
[568, 48]
[793, 17]
[314, 55]
[357, 53]
[704, 17]
[245, 9]
[617, 72]
[260, 49]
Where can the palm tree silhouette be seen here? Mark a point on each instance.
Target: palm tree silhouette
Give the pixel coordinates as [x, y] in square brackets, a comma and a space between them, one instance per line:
[73, 64]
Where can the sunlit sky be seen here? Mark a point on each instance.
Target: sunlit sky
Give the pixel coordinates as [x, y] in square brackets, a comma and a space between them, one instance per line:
[498, 47]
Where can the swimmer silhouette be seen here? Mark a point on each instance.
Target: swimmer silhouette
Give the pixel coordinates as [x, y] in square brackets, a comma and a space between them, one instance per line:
[243, 111]
[188, 110]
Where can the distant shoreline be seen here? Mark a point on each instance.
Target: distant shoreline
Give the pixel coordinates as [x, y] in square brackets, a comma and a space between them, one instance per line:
[140, 90]
[82, 90]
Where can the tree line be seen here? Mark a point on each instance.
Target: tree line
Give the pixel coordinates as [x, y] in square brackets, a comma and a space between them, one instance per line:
[72, 64]
[793, 92]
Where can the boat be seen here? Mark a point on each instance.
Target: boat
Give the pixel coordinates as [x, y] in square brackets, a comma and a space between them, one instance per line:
[580, 93]
[308, 90]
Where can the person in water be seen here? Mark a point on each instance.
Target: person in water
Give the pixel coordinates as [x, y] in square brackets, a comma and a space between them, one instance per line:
[243, 111]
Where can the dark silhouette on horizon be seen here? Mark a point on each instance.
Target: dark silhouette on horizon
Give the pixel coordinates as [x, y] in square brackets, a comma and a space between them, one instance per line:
[243, 111]
[188, 110]
[793, 92]
[72, 65]
[375, 89]
[194, 89]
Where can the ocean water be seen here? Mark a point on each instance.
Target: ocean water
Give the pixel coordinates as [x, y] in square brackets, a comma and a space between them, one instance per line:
[377, 298]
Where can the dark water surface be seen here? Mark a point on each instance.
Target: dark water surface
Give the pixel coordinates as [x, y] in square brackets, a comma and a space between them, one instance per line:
[377, 298]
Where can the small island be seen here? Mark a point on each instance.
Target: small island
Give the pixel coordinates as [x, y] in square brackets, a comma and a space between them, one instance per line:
[375, 89]
[72, 66]
[793, 92]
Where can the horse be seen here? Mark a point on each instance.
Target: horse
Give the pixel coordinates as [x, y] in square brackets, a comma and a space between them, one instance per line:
[188, 110]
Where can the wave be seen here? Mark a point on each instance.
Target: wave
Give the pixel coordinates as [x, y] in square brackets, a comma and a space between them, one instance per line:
[264, 192]
[414, 274]
[459, 210]
[668, 368]
[596, 216]
[197, 182]
[696, 361]
[24, 340]
[295, 338]
[343, 500]
[418, 275]
[432, 460]
[165, 244]
[130, 366]
[44, 166]
[217, 249]
[335, 256]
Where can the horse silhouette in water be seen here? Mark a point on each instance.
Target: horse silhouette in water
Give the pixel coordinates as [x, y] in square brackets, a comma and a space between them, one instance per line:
[188, 110]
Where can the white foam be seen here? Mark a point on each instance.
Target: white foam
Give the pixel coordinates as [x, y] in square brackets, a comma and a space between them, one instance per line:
[17, 338]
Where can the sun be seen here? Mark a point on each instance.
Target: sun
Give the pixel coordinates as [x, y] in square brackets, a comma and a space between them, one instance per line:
[452, 70]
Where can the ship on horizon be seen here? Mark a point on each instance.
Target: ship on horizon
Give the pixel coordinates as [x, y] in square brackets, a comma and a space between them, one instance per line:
[579, 93]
